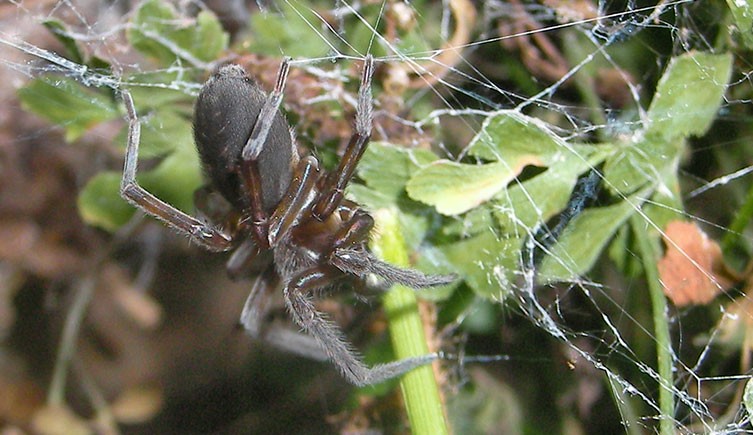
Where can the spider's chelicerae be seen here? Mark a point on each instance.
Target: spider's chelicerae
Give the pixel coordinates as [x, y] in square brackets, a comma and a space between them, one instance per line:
[284, 216]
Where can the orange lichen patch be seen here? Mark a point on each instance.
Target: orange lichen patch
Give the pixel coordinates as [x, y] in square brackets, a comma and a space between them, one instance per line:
[692, 269]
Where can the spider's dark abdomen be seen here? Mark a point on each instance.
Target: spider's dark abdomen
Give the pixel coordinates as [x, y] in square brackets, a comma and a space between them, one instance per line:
[226, 112]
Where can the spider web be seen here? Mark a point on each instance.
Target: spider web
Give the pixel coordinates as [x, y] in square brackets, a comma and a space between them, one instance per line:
[578, 73]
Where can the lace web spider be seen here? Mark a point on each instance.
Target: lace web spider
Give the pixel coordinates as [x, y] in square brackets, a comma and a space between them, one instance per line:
[285, 216]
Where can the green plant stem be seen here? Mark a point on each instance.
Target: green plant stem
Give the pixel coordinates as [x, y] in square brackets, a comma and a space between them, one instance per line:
[84, 292]
[661, 326]
[420, 390]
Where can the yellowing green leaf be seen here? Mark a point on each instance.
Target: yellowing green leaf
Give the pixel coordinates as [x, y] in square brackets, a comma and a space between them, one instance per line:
[526, 204]
[511, 141]
[455, 188]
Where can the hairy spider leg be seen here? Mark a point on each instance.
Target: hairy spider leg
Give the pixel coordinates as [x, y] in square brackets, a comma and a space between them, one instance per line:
[298, 298]
[254, 320]
[335, 182]
[250, 166]
[205, 235]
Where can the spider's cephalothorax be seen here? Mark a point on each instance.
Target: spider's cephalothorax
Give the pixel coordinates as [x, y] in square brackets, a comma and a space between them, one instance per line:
[291, 220]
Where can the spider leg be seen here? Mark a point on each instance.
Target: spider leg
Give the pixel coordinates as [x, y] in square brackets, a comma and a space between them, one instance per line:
[296, 202]
[250, 174]
[298, 299]
[349, 256]
[254, 315]
[335, 183]
[201, 233]
[360, 262]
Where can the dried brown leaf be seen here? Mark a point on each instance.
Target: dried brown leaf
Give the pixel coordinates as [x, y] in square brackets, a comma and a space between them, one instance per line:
[692, 269]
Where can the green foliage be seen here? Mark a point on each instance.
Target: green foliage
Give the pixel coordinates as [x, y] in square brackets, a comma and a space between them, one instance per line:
[387, 169]
[289, 28]
[510, 141]
[689, 95]
[578, 248]
[99, 202]
[489, 202]
[64, 102]
[470, 216]
[454, 188]
[57, 28]
[294, 29]
[157, 31]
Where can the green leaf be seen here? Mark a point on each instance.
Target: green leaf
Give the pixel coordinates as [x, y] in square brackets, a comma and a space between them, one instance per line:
[63, 101]
[295, 31]
[688, 95]
[686, 101]
[582, 241]
[508, 138]
[387, 168]
[524, 205]
[367, 197]
[666, 204]
[175, 179]
[160, 89]
[742, 13]
[487, 262]
[99, 203]
[455, 188]
[159, 32]
[511, 137]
